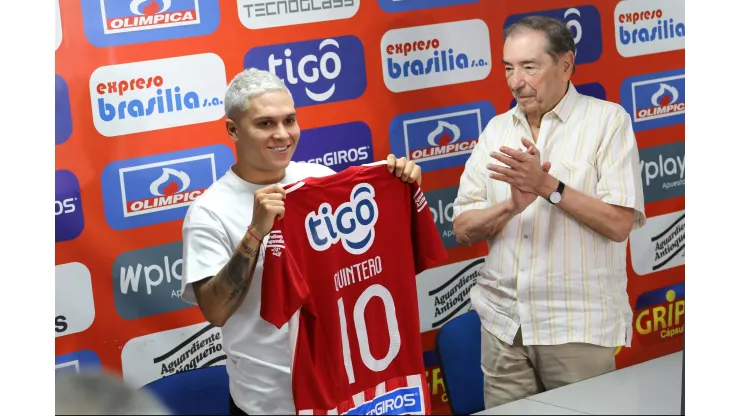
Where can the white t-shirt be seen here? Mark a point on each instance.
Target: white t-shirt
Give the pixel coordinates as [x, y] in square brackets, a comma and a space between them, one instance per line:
[258, 355]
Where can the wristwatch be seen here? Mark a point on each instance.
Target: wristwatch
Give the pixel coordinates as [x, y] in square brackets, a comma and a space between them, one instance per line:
[557, 195]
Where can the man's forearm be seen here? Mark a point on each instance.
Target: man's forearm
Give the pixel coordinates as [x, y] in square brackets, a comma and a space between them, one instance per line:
[611, 221]
[476, 225]
[220, 296]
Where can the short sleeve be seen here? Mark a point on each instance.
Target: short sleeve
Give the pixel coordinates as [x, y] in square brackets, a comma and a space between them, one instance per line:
[205, 251]
[428, 247]
[284, 288]
[618, 164]
[472, 192]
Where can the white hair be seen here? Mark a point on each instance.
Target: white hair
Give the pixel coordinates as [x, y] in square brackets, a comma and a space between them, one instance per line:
[103, 394]
[250, 83]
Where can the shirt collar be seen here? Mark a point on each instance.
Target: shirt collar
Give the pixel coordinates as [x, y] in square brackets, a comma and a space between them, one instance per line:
[562, 110]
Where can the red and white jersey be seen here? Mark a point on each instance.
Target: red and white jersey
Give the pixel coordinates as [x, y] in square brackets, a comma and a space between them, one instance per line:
[346, 255]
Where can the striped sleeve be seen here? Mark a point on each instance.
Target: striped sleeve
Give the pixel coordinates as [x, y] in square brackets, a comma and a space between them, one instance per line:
[472, 193]
[618, 164]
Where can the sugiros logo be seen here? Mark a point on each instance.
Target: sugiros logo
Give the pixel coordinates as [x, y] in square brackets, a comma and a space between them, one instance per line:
[659, 314]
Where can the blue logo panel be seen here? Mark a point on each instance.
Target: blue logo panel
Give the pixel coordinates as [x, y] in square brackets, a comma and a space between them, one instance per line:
[593, 89]
[403, 401]
[655, 100]
[392, 6]
[62, 112]
[442, 137]
[584, 23]
[316, 71]
[68, 218]
[124, 22]
[160, 188]
[77, 362]
[337, 147]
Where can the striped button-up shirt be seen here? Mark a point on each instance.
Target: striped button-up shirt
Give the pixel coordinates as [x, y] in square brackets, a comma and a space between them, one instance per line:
[546, 272]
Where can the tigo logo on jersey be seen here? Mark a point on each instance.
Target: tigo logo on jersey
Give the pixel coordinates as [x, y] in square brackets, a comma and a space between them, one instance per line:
[655, 100]
[84, 361]
[659, 314]
[73, 300]
[593, 89]
[62, 112]
[153, 95]
[316, 71]
[401, 401]
[123, 22]
[68, 218]
[353, 222]
[584, 23]
[392, 6]
[420, 57]
[663, 171]
[660, 244]
[260, 14]
[337, 147]
[440, 203]
[644, 27]
[160, 188]
[442, 137]
[147, 281]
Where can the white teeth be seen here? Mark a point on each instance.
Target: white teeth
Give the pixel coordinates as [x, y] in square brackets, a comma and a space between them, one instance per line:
[279, 149]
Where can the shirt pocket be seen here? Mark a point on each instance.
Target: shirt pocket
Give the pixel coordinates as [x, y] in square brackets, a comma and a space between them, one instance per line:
[579, 175]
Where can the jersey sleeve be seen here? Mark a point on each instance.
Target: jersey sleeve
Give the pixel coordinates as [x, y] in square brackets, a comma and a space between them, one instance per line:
[428, 248]
[284, 288]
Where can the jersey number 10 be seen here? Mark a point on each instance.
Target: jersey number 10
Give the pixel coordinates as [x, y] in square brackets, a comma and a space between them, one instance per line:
[361, 330]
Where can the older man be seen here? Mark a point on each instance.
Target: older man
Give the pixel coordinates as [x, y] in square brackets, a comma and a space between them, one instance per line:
[554, 187]
[223, 233]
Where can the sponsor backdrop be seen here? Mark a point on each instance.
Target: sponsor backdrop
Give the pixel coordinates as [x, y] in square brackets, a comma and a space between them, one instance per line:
[140, 135]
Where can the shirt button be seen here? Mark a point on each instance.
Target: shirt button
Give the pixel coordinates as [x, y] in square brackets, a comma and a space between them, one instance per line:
[526, 235]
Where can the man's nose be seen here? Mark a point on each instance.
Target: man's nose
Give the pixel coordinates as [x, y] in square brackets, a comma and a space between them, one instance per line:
[281, 132]
[516, 81]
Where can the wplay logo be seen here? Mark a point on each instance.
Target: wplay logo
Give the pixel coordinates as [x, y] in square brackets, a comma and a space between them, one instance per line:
[153, 95]
[124, 22]
[584, 23]
[442, 137]
[644, 27]
[337, 147]
[392, 6]
[663, 170]
[353, 222]
[421, 57]
[160, 188]
[316, 71]
[260, 14]
[62, 112]
[655, 100]
[68, 218]
[593, 89]
[441, 204]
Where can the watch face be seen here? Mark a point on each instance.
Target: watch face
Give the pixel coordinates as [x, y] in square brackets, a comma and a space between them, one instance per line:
[555, 197]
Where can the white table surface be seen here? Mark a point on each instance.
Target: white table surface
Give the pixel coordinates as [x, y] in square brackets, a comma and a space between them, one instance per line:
[652, 387]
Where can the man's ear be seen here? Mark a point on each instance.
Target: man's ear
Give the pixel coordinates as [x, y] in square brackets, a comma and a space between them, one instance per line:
[232, 129]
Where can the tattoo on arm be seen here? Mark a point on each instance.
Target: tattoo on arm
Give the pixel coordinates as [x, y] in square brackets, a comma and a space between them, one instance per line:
[238, 269]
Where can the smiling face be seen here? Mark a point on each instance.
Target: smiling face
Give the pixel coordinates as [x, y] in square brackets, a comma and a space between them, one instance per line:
[535, 78]
[266, 136]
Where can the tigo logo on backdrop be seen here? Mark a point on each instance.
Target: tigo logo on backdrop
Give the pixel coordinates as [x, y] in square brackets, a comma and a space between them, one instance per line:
[84, 361]
[660, 244]
[644, 27]
[68, 218]
[58, 21]
[593, 89]
[259, 14]
[75, 310]
[659, 314]
[316, 71]
[420, 57]
[147, 281]
[440, 203]
[337, 147]
[123, 22]
[584, 23]
[159, 94]
[663, 171]
[155, 356]
[160, 188]
[655, 100]
[442, 137]
[392, 6]
[444, 292]
[62, 111]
